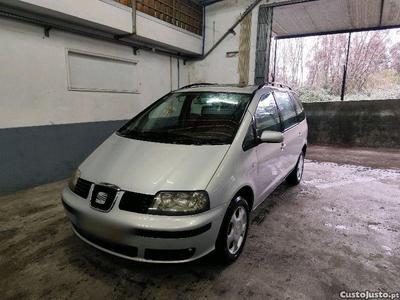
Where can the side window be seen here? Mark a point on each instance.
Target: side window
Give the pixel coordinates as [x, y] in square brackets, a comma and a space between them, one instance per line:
[285, 104]
[298, 107]
[249, 141]
[267, 116]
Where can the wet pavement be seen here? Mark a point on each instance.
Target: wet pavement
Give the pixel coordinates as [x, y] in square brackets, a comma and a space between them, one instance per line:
[338, 230]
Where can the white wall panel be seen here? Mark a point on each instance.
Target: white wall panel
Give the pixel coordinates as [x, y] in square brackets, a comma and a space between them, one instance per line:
[95, 72]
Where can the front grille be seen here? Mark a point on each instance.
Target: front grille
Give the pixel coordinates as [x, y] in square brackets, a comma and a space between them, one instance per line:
[171, 234]
[82, 188]
[169, 255]
[134, 202]
[103, 197]
[117, 248]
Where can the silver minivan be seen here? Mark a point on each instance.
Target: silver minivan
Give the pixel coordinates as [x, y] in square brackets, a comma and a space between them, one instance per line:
[181, 178]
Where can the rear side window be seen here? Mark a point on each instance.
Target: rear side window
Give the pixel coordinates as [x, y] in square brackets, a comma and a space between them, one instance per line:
[267, 116]
[286, 108]
[298, 107]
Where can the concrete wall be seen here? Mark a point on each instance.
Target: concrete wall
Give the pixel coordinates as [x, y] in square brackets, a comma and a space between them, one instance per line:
[369, 123]
[34, 89]
[46, 130]
[163, 34]
[217, 68]
[111, 17]
[92, 10]
[31, 156]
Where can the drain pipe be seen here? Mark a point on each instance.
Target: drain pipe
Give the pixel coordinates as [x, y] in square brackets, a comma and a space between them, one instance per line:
[245, 13]
[204, 30]
[179, 75]
[117, 40]
[230, 30]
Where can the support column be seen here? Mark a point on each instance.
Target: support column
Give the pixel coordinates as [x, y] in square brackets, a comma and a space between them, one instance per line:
[263, 48]
[345, 70]
[276, 51]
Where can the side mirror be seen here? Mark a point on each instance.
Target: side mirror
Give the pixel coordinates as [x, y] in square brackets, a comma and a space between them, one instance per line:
[271, 137]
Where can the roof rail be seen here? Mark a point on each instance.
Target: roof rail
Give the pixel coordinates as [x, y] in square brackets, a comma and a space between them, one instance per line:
[196, 84]
[277, 84]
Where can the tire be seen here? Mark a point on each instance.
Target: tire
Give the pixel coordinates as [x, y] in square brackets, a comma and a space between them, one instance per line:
[296, 175]
[231, 239]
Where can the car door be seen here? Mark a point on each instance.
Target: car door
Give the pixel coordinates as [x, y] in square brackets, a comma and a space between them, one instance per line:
[269, 155]
[301, 118]
[291, 144]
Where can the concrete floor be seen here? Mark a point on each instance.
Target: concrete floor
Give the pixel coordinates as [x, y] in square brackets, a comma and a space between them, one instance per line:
[338, 230]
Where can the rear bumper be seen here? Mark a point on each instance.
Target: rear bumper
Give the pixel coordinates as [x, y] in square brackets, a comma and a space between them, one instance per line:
[144, 237]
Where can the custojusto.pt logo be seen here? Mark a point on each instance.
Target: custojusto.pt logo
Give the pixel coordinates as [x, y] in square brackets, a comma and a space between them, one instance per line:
[368, 295]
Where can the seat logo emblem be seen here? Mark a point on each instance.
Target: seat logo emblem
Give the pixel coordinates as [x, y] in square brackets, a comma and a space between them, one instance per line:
[101, 198]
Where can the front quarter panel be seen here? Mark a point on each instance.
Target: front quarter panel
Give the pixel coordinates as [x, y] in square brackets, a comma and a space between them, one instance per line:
[238, 169]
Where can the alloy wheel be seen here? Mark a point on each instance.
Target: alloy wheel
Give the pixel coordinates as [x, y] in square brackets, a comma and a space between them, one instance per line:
[237, 230]
[300, 167]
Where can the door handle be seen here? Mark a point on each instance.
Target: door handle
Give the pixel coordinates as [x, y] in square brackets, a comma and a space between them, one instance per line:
[300, 134]
[283, 145]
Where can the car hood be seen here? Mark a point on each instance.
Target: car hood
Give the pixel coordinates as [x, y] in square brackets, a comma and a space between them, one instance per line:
[147, 167]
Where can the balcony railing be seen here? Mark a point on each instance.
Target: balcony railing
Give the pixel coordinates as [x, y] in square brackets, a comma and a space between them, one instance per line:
[181, 13]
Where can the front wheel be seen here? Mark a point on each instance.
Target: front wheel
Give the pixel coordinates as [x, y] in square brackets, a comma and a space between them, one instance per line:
[233, 232]
[295, 176]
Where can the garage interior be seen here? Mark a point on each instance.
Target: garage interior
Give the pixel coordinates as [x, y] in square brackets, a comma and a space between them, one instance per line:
[336, 231]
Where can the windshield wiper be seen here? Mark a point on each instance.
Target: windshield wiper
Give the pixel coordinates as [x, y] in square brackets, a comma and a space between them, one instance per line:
[214, 142]
[200, 141]
[148, 135]
[175, 137]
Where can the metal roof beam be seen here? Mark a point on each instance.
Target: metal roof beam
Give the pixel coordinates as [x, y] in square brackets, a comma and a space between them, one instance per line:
[335, 32]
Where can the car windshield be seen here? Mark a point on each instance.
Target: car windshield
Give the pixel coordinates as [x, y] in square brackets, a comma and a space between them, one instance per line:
[196, 118]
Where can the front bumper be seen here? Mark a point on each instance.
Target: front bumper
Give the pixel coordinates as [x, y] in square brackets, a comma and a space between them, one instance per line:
[144, 237]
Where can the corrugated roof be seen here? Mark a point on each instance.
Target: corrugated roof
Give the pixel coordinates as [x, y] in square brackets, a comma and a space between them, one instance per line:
[391, 13]
[334, 15]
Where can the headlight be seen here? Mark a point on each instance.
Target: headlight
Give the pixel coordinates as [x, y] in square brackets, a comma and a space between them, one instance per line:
[74, 179]
[179, 203]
